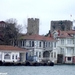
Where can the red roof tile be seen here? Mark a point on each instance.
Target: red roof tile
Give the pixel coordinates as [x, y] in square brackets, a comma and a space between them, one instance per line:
[66, 33]
[11, 48]
[37, 37]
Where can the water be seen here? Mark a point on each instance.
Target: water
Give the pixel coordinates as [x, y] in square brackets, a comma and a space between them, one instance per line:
[38, 70]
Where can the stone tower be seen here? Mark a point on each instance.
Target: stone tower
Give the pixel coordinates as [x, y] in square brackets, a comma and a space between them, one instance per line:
[33, 26]
[63, 25]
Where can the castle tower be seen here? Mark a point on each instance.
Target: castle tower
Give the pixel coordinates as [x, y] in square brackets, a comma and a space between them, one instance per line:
[33, 26]
[63, 25]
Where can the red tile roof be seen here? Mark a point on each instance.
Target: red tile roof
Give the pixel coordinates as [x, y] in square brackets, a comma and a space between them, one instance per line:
[66, 33]
[37, 37]
[70, 32]
[11, 48]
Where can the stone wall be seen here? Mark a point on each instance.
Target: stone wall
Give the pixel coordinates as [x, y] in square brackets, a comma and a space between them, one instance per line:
[33, 26]
[63, 25]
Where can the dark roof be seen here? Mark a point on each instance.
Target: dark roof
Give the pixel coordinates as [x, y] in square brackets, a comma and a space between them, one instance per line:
[2, 22]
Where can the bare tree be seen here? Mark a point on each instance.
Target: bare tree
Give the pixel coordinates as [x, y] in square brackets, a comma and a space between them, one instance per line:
[10, 32]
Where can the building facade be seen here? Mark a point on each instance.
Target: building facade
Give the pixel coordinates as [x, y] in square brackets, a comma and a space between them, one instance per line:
[39, 47]
[33, 26]
[63, 25]
[12, 54]
[65, 46]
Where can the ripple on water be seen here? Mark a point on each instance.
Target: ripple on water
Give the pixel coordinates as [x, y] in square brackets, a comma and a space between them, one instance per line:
[39, 70]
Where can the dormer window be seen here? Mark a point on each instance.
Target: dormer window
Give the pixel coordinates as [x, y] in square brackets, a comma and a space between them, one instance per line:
[55, 35]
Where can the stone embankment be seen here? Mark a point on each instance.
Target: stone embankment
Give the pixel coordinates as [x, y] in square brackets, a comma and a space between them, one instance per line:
[26, 64]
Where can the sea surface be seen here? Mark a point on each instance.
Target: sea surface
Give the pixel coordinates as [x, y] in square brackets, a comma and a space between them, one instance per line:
[38, 70]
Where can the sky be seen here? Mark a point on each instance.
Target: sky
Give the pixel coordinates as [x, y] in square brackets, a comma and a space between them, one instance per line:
[45, 10]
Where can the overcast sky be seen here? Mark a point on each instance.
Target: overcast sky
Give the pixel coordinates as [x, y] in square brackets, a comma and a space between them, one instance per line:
[45, 10]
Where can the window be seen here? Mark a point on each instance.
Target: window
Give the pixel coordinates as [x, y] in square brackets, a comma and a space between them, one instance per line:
[69, 41]
[46, 44]
[27, 43]
[43, 44]
[69, 51]
[69, 58]
[7, 56]
[54, 44]
[46, 54]
[62, 41]
[49, 44]
[36, 53]
[12, 56]
[23, 42]
[54, 54]
[16, 56]
[39, 44]
[39, 54]
[62, 51]
[32, 43]
[29, 53]
[55, 35]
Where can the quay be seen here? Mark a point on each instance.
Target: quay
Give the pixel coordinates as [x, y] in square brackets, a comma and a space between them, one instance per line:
[27, 63]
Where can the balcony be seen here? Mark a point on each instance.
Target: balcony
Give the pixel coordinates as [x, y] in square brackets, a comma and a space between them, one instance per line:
[66, 45]
[69, 45]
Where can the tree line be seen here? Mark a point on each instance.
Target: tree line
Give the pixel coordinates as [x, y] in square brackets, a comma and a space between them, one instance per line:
[10, 32]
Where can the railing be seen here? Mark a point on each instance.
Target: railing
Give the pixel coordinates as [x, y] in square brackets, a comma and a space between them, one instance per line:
[70, 45]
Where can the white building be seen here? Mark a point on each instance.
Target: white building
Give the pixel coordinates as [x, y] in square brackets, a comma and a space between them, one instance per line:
[12, 54]
[40, 47]
[65, 46]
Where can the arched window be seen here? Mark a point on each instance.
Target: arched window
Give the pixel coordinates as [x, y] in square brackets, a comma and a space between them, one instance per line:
[7, 56]
[46, 54]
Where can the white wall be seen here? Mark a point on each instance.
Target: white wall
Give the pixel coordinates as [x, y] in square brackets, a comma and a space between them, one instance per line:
[0, 56]
[11, 54]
